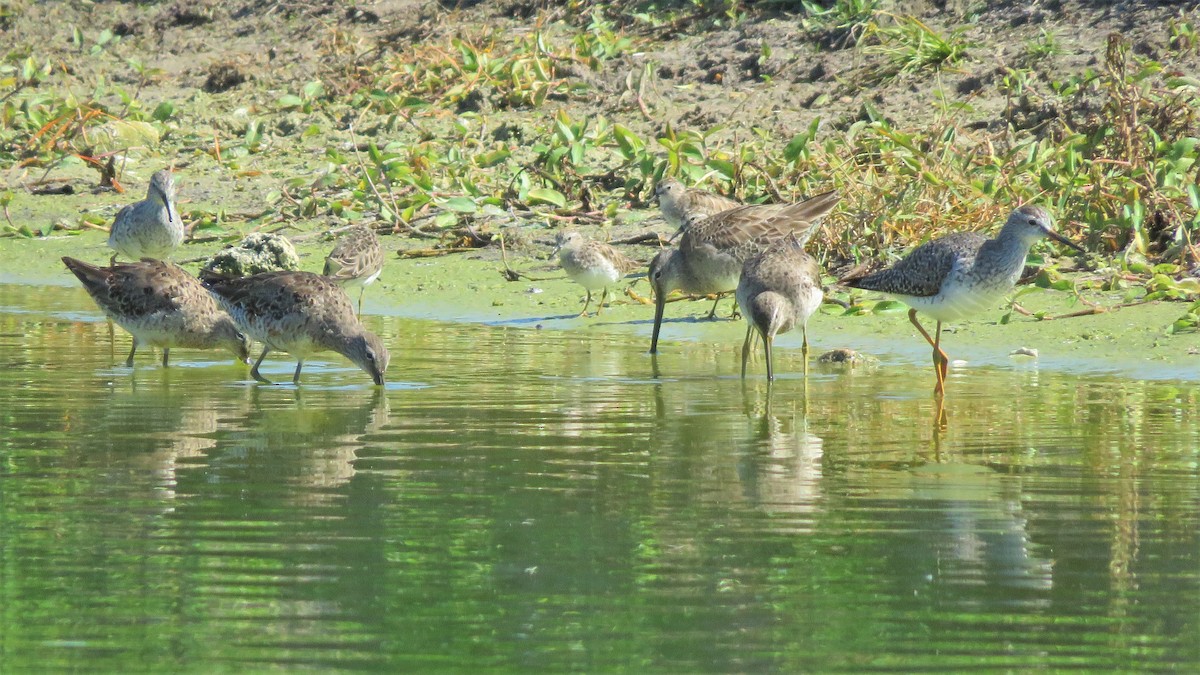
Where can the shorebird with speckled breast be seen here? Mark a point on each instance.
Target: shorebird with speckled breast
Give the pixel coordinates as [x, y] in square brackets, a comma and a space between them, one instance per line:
[779, 289]
[680, 204]
[712, 250]
[150, 228]
[300, 313]
[961, 273]
[591, 264]
[161, 305]
[356, 260]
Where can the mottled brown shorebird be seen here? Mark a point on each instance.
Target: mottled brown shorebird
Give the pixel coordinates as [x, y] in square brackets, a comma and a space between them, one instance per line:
[961, 274]
[591, 264]
[779, 289]
[300, 313]
[681, 204]
[161, 305]
[356, 260]
[150, 228]
[712, 251]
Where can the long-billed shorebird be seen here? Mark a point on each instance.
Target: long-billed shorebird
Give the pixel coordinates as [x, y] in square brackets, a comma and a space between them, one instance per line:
[680, 204]
[161, 305]
[150, 228]
[713, 249]
[591, 264]
[961, 274]
[356, 260]
[300, 313]
[779, 289]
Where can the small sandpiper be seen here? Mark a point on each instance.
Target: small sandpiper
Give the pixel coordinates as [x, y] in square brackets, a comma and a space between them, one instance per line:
[780, 288]
[680, 204]
[300, 313]
[961, 274]
[356, 260]
[161, 305]
[150, 228]
[591, 264]
[713, 249]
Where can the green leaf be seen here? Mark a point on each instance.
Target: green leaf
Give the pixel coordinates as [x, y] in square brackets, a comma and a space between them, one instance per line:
[546, 196]
[460, 204]
[289, 101]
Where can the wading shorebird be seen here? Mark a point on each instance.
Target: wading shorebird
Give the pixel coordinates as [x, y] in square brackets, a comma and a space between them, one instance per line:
[161, 305]
[961, 274]
[713, 249]
[591, 264]
[680, 204]
[300, 313]
[780, 289]
[150, 228]
[356, 260]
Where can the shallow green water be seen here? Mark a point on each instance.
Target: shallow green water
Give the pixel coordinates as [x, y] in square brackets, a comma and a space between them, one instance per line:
[524, 500]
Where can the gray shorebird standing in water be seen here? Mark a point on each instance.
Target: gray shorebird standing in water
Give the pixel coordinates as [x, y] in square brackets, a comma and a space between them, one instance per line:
[961, 274]
[356, 260]
[680, 204]
[779, 289]
[161, 305]
[713, 249]
[591, 264]
[150, 228]
[300, 313]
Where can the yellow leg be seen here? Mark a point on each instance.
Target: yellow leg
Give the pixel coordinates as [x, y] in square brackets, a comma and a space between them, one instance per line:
[603, 297]
[586, 303]
[940, 360]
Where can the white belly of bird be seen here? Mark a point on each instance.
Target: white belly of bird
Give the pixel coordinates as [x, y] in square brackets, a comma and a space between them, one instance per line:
[595, 278]
[956, 301]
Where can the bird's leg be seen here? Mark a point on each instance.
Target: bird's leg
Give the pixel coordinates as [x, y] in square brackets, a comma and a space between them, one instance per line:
[746, 348]
[112, 339]
[712, 314]
[603, 297]
[586, 303]
[361, 290]
[166, 356]
[132, 351]
[940, 361]
[296, 375]
[254, 370]
[939, 357]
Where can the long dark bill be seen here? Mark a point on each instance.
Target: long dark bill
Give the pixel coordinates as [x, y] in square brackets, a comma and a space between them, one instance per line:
[1063, 240]
[660, 302]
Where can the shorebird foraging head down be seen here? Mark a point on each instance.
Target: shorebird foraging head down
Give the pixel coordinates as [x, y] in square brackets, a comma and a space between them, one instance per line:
[680, 204]
[300, 313]
[356, 260]
[713, 249]
[161, 305]
[961, 274]
[591, 264]
[779, 289]
[150, 228]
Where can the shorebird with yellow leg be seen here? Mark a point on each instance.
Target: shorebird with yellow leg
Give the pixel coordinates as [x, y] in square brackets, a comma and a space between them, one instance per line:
[961, 274]
[779, 289]
[713, 249]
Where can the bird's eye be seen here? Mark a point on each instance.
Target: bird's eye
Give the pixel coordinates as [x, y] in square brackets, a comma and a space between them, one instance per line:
[1033, 221]
[241, 338]
[371, 357]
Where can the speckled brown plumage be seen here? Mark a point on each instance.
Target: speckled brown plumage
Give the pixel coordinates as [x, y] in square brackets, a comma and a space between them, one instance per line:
[779, 289]
[161, 305]
[300, 313]
[680, 204]
[356, 260]
[711, 253]
[591, 264]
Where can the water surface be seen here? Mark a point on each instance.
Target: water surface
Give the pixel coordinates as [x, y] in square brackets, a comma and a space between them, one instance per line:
[518, 499]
